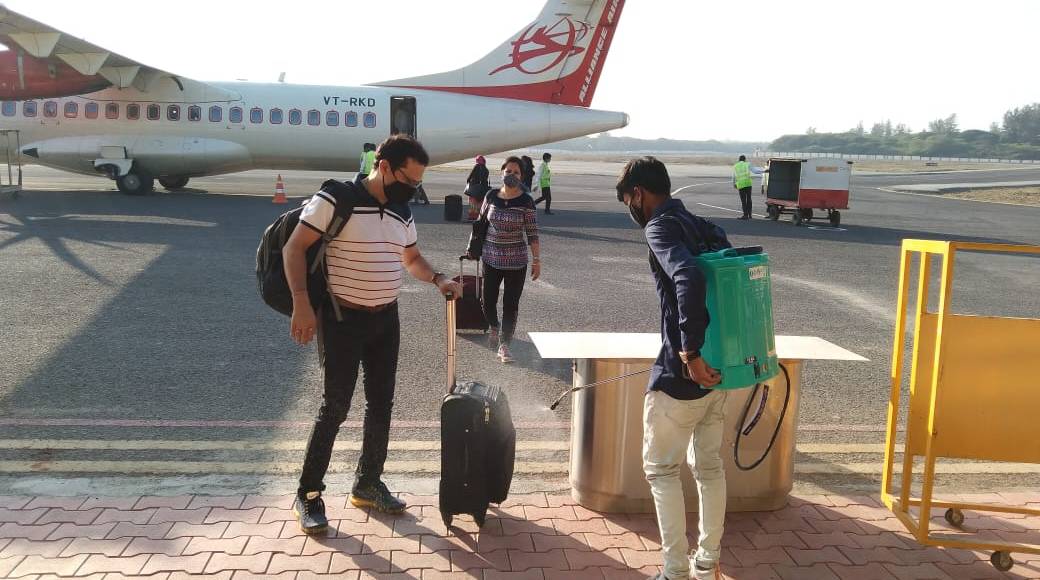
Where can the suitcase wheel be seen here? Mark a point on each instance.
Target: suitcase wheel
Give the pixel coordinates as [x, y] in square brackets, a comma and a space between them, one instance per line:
[480, 518]
[447, 518]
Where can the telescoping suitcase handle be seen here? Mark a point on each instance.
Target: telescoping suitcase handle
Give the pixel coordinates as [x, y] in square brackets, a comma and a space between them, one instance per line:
[449, 318]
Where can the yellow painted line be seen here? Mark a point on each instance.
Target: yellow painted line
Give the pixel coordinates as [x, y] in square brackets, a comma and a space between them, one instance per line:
[433, 467]
[942, 469]
[408, 445]
[234, 445]
[231, 467]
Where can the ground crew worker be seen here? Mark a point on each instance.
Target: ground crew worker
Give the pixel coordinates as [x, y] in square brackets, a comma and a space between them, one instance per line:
[544, 181]
[368, 160]
[742, 182]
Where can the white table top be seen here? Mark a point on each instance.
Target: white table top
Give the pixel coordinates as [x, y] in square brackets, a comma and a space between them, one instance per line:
[622, 345]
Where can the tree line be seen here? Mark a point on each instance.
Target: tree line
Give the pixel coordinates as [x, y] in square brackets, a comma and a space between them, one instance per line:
[1018, 137]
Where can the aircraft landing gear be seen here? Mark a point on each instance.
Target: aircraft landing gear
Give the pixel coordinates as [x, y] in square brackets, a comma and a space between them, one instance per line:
[173, 183]
[135, 183]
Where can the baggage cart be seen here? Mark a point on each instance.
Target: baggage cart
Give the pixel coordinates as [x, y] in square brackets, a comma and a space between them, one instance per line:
[799, 186]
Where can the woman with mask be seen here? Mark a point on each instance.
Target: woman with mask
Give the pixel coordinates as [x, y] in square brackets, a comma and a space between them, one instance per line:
[477, 185]
[511, 217]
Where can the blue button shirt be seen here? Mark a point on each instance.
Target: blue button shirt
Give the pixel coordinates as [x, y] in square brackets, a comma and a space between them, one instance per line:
[676, 237]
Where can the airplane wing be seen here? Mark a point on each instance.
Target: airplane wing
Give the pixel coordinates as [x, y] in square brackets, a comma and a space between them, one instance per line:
[44, 62]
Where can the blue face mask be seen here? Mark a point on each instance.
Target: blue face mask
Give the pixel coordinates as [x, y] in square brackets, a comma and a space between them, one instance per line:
[511, 181]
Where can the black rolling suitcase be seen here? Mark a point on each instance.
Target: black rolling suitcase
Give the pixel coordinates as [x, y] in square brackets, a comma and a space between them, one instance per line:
[478, 443]
[469, 309]
[453, 208]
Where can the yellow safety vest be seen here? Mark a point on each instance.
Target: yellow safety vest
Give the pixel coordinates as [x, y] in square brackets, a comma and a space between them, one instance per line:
[742, 174]
[546, 179]
[369, 163]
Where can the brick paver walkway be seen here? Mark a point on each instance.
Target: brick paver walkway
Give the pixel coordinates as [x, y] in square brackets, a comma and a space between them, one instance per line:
[537, 537]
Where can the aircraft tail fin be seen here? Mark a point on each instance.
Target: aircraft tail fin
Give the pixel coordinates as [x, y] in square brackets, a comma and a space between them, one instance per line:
[555, 59]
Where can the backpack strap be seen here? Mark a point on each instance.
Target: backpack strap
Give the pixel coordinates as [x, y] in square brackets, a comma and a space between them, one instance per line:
[347, 197]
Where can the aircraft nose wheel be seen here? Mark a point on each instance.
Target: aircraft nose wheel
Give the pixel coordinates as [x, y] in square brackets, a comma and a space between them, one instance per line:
[135, 183]
[1002, 561]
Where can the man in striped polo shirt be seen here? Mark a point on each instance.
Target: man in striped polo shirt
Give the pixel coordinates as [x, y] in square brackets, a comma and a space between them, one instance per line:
[365, 265]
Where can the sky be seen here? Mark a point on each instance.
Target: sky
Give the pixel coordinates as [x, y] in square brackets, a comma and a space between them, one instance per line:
[682, 69]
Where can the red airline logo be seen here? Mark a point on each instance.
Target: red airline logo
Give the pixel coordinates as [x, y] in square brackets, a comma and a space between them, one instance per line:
[547, 45]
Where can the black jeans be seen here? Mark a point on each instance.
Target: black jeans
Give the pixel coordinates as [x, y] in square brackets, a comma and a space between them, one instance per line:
[546, 197]
[371, 339]
[745, 200]
[514, 282]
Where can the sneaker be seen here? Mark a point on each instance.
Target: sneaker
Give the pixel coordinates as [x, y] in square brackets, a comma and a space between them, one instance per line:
[493, 338]
[309, 510]
[547, 212]
[378, 497]
[504, 355]
[707, 571]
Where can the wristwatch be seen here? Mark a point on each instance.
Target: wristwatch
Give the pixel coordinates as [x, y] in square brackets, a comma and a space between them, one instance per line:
[687, 356]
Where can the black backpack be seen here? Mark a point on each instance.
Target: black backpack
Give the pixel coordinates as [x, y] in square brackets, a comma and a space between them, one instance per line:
[270, 268]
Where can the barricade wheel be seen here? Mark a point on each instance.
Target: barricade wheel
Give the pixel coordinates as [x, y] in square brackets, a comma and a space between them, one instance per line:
[773, 212]
[835, 218]
[807, 214]
[1002, 561]
[955, 517]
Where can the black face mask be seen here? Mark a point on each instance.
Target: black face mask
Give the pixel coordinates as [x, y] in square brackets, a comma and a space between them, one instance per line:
[398, 192]
[636, 213]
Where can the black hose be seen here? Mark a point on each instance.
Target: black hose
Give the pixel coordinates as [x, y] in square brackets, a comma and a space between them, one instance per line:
[743, 432]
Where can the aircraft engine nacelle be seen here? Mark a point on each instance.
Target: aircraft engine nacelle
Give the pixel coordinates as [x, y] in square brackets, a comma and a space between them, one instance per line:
[25, 77]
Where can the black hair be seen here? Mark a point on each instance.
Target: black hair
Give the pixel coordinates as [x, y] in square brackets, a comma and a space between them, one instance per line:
[399, 148]
[646, 172]
[514, 159]
[546, 156]
[742, 158]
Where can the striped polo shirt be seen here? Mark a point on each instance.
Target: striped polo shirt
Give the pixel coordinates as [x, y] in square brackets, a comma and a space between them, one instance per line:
[364, 260]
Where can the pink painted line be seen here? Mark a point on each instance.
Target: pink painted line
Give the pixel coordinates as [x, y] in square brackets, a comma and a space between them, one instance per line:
[17, 422]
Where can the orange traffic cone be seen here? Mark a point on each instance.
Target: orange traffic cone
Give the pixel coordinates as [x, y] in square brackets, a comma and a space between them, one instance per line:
[279, 191]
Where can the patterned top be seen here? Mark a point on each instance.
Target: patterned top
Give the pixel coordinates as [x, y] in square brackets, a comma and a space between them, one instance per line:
[365, 258]
[508, 221]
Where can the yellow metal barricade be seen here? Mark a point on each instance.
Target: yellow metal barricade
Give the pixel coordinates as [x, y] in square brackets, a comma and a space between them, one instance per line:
[973, 395]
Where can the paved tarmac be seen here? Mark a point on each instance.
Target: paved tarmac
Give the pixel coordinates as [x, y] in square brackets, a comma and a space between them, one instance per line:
[138, 358]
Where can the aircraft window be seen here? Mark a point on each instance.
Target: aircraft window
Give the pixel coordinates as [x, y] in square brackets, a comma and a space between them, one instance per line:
[10, 108]
[276, 116]
[332, 118]
[71, 110]
[194, 113]
[350, 119]
[235, 115]
[90, 110]
[50, 109]
[370, 120]
[153, 112]
[29, 108]
[295, 116]
[216, 114]
[256, 115]
[133, 111]
[173, 112]
[314, 117]
[112, 111]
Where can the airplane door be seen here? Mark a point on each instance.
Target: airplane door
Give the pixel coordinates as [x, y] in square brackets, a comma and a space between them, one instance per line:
[402, 116]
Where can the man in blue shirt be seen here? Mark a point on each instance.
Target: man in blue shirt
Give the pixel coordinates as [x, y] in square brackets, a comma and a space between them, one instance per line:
[682, 415]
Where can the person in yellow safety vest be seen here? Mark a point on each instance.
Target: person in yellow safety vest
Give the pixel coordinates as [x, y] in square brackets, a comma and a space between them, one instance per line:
[742, 171]
[544, 182]
[368, 160]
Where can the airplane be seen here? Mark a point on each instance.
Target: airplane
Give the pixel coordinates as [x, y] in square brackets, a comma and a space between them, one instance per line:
[80, 108]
